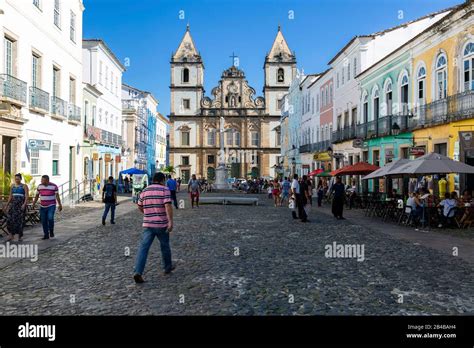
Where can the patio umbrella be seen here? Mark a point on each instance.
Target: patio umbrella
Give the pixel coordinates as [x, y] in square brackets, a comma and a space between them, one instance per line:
[360, 168]
[387, 169]
[433, 163]
[315, 172]
[324, 175]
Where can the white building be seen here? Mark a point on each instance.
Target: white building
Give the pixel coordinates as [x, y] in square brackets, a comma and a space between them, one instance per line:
[162, 127]
[141, 125]
[40, 88]
[103, 70]
[310, 122]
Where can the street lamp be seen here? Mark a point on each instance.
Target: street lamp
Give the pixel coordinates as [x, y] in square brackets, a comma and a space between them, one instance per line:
[395, 129]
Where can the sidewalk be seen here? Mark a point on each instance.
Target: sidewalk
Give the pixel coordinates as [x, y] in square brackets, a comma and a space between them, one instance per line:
[425, 237]
[68, 226]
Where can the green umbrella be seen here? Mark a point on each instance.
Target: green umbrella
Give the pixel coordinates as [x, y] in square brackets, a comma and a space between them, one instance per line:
[325, 174]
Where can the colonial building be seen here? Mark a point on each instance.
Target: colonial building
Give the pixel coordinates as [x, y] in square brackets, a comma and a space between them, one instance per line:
[360, 53]
[102, 119]
[252, 132]
[141, 125]
[41, 89]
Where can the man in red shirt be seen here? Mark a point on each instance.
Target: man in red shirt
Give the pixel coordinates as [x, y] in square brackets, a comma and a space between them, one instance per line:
[48, 194]
[155, 204]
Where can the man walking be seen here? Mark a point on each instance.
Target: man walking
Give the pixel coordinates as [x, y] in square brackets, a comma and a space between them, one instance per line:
[155, 204]
[339, 192]
[109, 197]
[47, 192]
[296, 191]
[172, 185]
[193, 190]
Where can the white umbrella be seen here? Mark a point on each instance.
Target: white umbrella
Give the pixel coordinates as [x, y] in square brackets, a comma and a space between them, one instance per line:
[433, 163]
[387, 169]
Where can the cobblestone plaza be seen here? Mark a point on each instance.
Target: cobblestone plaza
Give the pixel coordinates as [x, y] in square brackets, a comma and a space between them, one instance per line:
[239, 260]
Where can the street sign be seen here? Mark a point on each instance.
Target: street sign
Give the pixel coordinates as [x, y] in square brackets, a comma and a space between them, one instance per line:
[389, 153]
[417, 151]
[359, 143]
[37, 144]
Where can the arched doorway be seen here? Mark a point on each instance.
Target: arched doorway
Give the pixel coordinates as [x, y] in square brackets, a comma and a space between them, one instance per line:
[255, 172]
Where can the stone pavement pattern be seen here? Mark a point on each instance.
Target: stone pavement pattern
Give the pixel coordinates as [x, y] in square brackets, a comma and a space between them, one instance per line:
[278, 259]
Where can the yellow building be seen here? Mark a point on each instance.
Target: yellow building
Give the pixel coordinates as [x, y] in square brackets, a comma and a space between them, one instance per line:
[442, 87]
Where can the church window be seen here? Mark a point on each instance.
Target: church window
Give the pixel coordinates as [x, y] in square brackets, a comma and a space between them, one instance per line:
[185, 75]
[186, 104]
[211, 138]
[255, 139]
[281, 75]
[185, 138]
[232, 101]
[237, 138]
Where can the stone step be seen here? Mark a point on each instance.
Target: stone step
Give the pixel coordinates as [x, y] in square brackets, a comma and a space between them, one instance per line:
[228, 200]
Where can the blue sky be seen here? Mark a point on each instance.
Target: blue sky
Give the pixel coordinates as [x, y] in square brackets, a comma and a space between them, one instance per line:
[148, 31]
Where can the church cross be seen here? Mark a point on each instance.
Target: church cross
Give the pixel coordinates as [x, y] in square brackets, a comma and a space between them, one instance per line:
[233, 56]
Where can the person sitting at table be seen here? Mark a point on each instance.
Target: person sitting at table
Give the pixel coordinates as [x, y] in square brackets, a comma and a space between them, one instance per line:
[16, 208]
[448, 204]
[466, 196]
[428, 198]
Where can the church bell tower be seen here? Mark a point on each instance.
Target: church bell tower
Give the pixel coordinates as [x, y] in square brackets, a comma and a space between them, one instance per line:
[280, 70]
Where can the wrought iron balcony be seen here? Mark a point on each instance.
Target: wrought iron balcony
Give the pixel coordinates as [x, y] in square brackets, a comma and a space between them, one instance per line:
[74, 113]
[384, 125]
[456, 107]
[39, 99]
[344, 134]
[12, 89]
[58, 106]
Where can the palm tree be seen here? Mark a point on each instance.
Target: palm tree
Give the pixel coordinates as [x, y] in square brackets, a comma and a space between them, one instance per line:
[169, 170]
[5, 182]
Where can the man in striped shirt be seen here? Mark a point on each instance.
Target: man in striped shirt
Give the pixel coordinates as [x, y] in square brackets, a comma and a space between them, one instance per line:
[155, 204]
[48, 194]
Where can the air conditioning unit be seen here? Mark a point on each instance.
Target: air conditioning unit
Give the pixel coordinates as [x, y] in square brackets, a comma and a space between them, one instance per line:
[5, 108]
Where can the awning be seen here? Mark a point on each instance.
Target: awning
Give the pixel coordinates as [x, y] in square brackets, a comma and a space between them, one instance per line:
[322, 156]
[315, 172]
[131, 171]
[360, 168]
[324, 174]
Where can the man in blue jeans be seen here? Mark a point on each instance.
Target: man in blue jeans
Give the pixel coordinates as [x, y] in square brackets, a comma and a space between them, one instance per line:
[109, 197]
[47, 192]
[155, 204]
[172, 185]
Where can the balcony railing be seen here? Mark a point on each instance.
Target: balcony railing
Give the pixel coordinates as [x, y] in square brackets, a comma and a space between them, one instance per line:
[383, 126]
[39, 99]
[456, 107]
[110, 138]
[74, 113]
[128, 104]
[58, 106]
[343, 134]
[12, 88]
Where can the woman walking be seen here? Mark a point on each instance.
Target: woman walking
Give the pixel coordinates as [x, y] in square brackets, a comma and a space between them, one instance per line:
[276, 193]
[16, 207]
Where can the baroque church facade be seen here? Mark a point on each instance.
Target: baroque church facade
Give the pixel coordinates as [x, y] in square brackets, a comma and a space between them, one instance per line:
[251, 124]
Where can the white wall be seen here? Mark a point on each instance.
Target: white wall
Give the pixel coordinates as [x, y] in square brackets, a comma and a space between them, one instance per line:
[34, 30]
